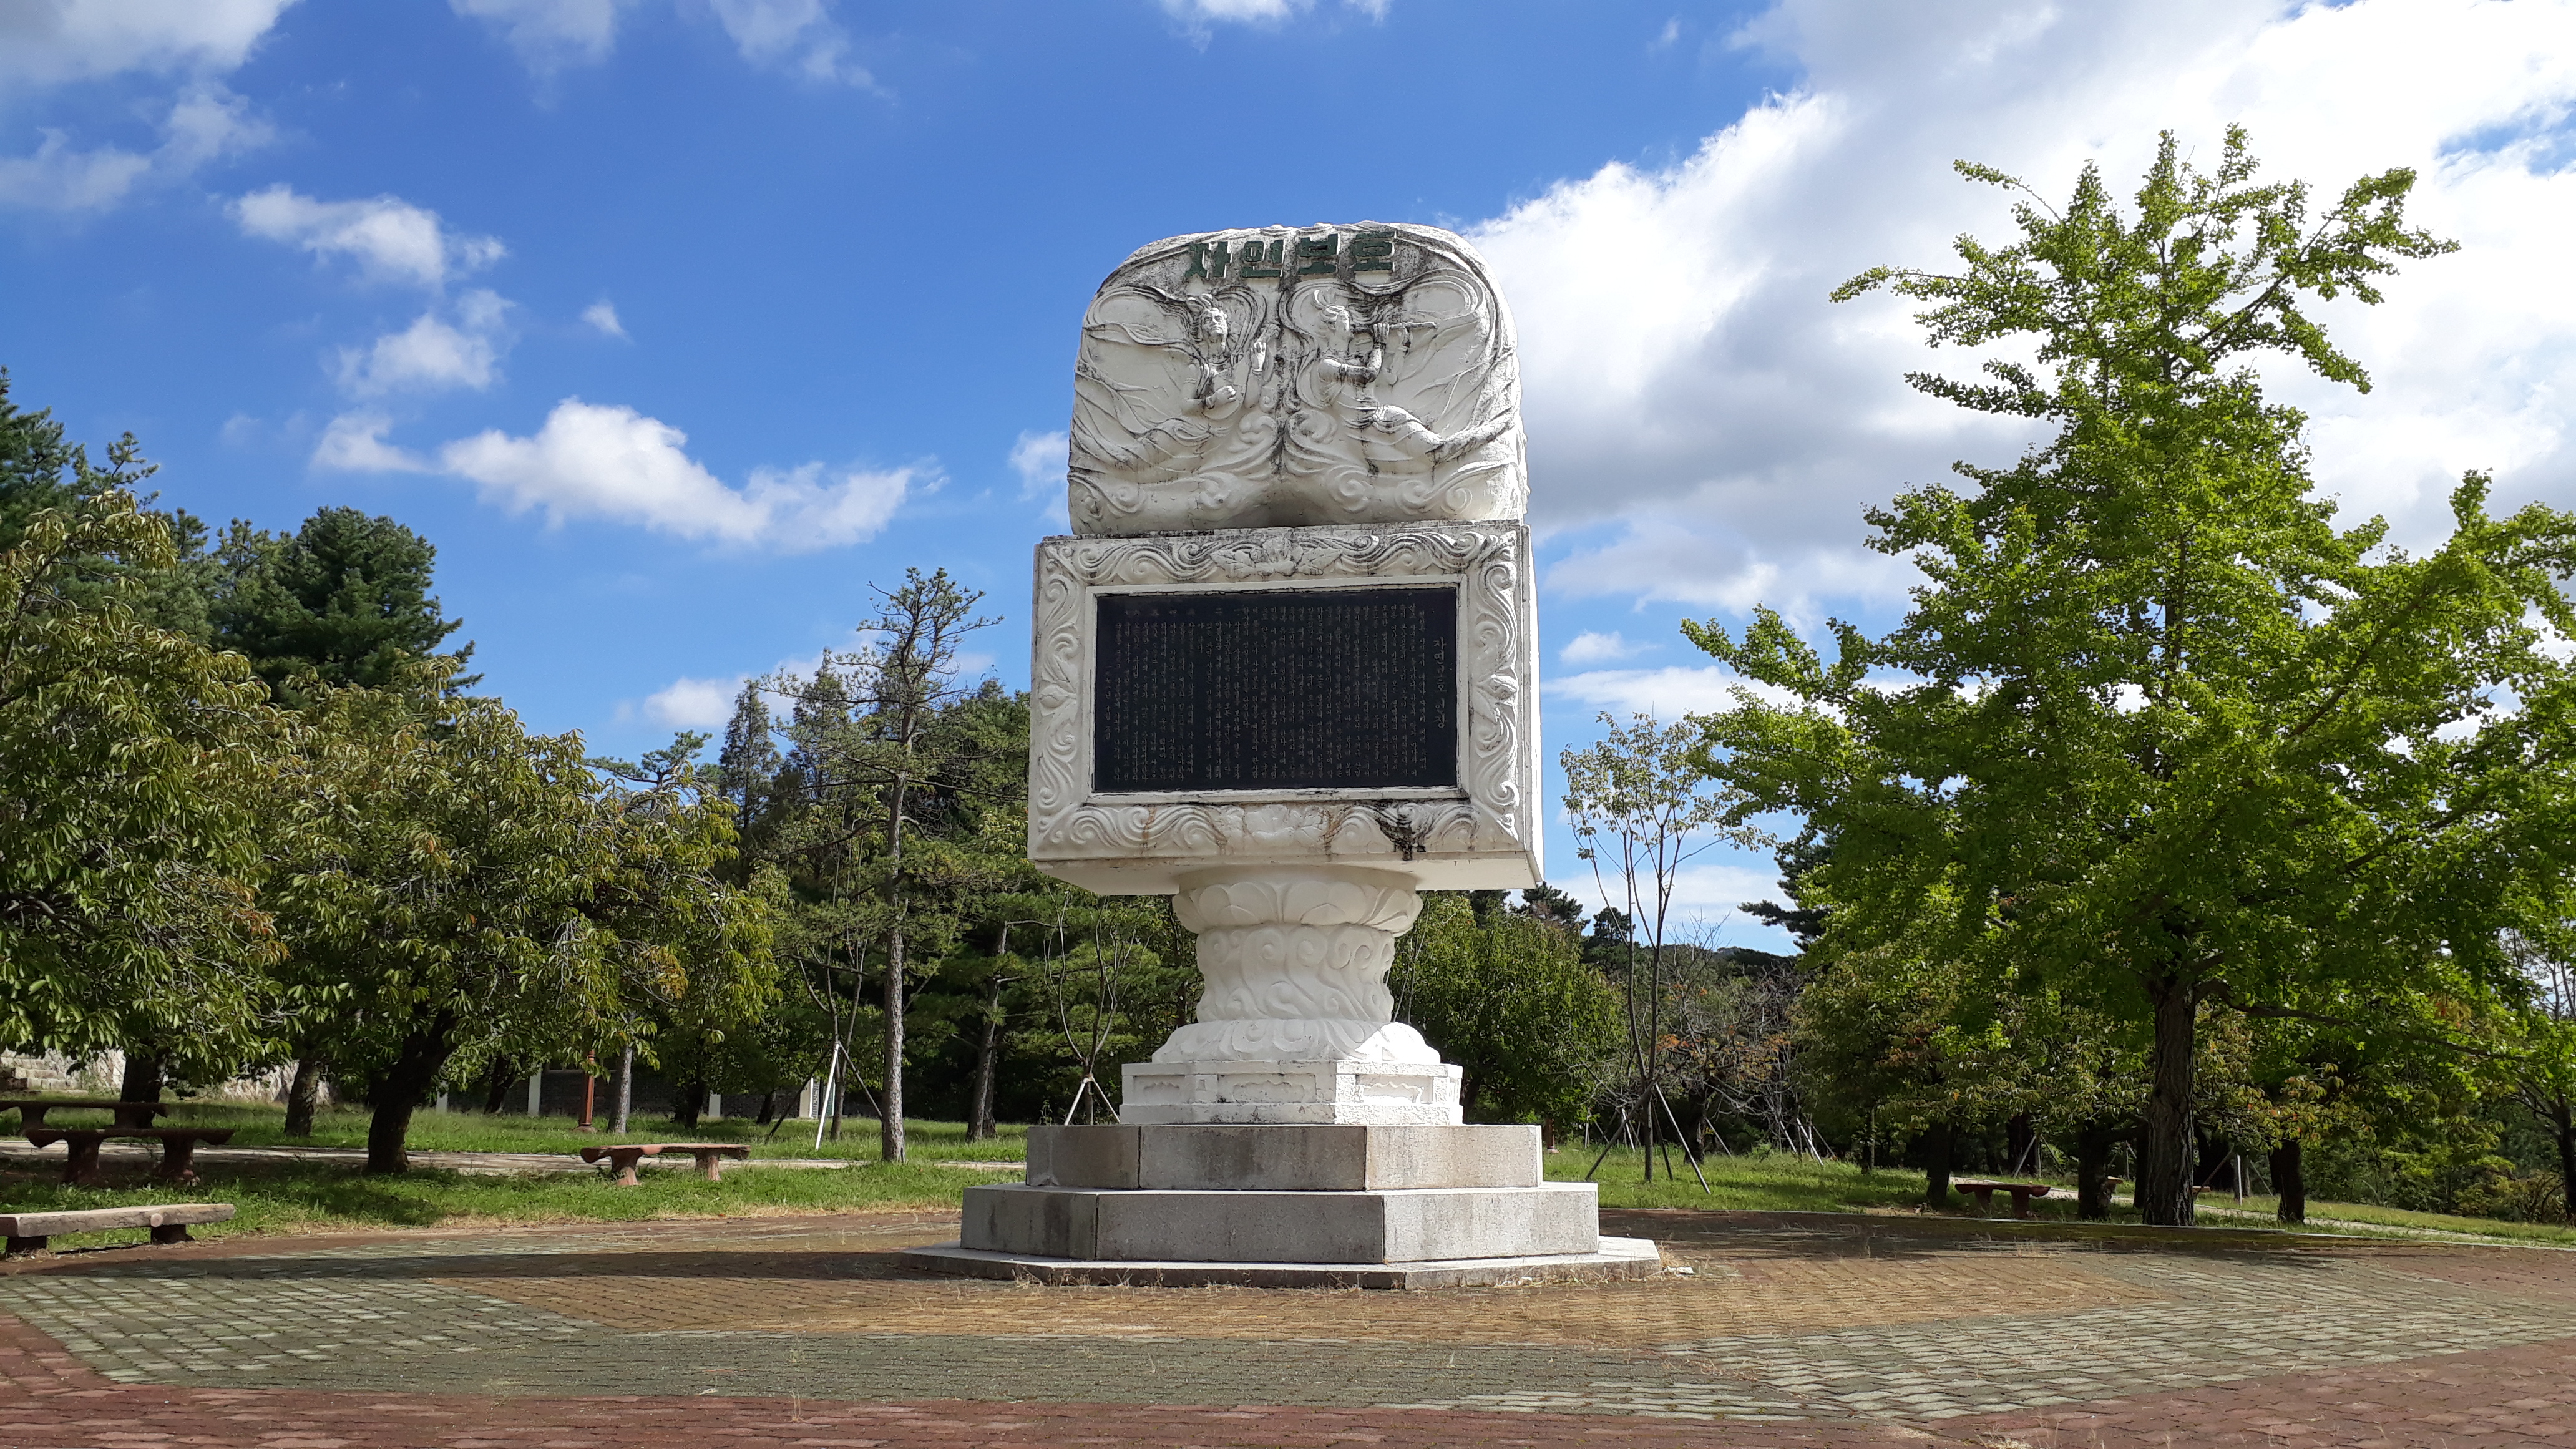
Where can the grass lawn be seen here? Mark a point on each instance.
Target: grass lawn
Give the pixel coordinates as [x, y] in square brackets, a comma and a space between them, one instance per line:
[263, 1125]
[291, 1197]
[307, 1197]
[2345, 1217]
[1776, 1182]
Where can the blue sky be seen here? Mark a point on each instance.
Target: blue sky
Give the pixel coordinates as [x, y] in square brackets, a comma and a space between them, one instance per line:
[677, 323]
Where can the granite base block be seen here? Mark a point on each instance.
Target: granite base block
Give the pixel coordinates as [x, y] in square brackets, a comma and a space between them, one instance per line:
[1392, 1226]
[1356, 1092]
[1612, 1258]
[1317, 1158]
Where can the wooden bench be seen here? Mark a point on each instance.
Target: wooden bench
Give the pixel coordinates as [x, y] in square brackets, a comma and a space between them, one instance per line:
[31, 1110]
[2022, 1193]
[710, 1156]
[28, 1232]
[178, 1148]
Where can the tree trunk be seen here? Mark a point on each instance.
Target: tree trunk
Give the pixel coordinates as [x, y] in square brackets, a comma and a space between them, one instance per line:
[2093, 1144]
[979, 1119]
[1936, 1169]
[400, 1090]
[302, 1095]
[625, 1087]
[2165, 1144]
[2021, 1143]
[693, 1100]
[890, 1130]
[768, 1108]
[2564, 1119]
[497, 1083]
[143, 1076]
[2290, 1180]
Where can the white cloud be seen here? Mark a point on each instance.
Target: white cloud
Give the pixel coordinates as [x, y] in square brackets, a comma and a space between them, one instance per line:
[1039, 459]
[694, 704]
[49, 42]
[205, 122]
[1688, 384]
[59, 178]
[603, 317]
[1703, 896]
[432, 354]
[614, 463]
[1594, 647]
[1667, 693]
[355, 443]
[794, 35]
[389, 238]
[1259, 12]
[691, 703]
[550, 34]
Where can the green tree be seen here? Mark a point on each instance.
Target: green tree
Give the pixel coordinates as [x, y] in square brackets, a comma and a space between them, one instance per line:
[887, 840]
[1642, 809]
[465, 884]
[2154, 730]
[1510, 1000]
[2537, 1034]
[131, 831]
[41, 469]
[346, 598]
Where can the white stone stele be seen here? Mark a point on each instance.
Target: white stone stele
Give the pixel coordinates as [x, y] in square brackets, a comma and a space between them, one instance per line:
[1258, 412]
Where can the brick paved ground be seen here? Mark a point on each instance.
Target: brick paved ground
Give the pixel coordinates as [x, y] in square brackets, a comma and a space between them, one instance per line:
[1791, 1330]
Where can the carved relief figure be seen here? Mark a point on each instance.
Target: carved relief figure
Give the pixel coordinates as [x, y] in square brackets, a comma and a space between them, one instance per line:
[1330, 375]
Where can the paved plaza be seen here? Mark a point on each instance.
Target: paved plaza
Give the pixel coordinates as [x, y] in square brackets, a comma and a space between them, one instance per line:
[1790, 1329]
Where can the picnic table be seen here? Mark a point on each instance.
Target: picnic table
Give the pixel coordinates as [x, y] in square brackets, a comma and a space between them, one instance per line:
[2022, 1193]
[178, 1147]
[31, 1110]
[28, 1232]
[623, 1157]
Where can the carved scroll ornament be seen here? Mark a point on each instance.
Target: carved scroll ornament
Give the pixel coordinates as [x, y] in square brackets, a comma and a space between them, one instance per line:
[1344, 374]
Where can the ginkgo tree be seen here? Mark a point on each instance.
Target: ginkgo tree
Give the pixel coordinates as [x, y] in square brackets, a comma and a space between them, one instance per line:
[2156, 734]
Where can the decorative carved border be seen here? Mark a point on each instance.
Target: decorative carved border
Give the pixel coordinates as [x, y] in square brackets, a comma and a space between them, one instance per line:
[1495, 824]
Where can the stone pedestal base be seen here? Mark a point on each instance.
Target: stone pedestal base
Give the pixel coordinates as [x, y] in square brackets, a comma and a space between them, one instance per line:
[1357, 1092]
[1404, 1225]
[1333, 1205]
[1283, 1159]
[1615, 1258]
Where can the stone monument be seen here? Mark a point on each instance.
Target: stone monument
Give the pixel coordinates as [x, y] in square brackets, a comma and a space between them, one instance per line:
[1286, 671]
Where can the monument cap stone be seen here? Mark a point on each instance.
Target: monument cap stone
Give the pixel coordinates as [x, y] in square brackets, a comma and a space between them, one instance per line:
[1296, 376]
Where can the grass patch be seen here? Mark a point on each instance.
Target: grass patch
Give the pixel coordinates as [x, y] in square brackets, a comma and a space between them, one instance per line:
[285, 1198]
[1771, 1182]
[2339, 1217]
[262, 1125]
[310, 1197]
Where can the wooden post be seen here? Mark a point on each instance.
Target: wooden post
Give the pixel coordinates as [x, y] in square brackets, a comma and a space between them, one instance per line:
[589, 1090]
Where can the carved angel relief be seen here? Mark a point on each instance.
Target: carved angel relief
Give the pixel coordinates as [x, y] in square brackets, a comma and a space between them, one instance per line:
[1352, 374]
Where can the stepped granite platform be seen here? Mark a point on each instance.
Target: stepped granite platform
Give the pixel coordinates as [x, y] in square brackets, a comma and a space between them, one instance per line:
[1335, 1205]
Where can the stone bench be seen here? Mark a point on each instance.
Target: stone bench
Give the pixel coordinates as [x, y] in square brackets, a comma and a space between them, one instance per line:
[31, 1110]
[178, 1148]
[2022, 1193]
[28, 1232]
[710, 1156]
